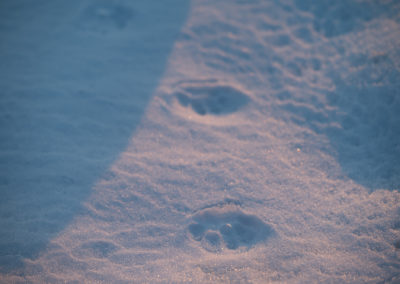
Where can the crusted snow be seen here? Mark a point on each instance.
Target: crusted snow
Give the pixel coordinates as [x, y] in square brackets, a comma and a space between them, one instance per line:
[226, 141]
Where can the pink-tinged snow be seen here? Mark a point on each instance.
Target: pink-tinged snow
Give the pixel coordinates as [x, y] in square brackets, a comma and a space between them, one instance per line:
[241, 141]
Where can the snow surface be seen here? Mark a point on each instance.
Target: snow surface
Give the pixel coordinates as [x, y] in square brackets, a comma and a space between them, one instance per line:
[242, 141]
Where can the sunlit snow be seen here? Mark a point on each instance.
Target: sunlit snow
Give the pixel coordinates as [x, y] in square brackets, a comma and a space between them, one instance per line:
[177, 141]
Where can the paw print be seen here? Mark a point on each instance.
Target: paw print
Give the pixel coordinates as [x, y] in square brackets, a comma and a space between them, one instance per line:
[228, 227]
[215, 100]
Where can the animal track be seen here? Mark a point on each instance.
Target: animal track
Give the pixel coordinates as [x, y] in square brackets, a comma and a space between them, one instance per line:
[216, 100]
[103, 16]
[217, 228]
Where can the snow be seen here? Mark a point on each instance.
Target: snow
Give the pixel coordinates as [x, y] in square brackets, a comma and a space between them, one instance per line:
[211, 141]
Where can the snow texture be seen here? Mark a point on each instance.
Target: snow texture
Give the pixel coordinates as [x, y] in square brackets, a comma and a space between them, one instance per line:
[231, 141]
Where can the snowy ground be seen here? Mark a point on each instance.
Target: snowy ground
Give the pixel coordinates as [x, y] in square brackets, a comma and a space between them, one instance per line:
[239, 141]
